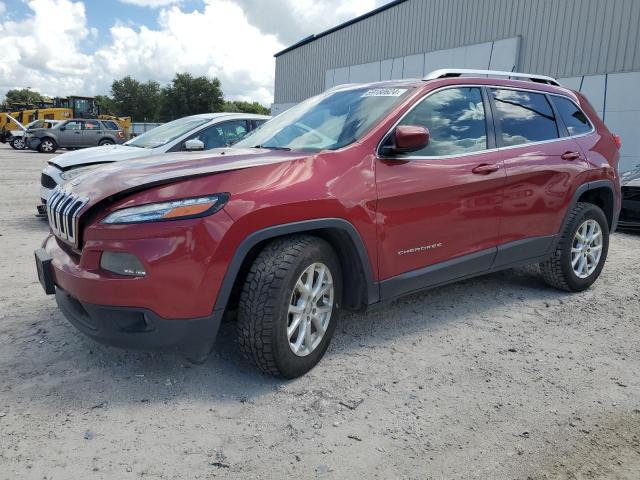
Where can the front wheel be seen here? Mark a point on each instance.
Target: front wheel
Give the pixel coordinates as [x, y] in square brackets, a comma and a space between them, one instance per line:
[48, 145]
[289, 305]
[581, 251]
[18, 143]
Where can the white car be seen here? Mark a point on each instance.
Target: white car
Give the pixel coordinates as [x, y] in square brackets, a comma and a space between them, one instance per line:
[197, 132]
[19, 137]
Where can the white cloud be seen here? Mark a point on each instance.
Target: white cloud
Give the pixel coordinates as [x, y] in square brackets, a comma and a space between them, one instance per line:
[2, 8]
[293, 20]
[217, 42]
[35, 55]
[151, 3]
[233, 40]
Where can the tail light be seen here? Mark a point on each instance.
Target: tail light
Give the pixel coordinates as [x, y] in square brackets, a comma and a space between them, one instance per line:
[120, 134]
[618, 141]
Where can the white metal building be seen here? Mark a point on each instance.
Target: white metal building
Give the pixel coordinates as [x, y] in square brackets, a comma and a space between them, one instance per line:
[589, 45]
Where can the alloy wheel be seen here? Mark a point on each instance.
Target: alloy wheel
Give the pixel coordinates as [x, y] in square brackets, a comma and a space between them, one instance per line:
[47, 146]
[310, 309]
[586, 248]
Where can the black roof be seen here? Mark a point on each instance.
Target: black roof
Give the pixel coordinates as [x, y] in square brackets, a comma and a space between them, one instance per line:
[313, 37]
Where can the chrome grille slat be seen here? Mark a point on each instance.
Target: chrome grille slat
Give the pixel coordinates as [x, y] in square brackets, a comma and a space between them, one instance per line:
[66, 225]
[63, 211]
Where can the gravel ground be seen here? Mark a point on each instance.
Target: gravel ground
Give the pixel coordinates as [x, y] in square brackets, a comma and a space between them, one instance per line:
[495, 378]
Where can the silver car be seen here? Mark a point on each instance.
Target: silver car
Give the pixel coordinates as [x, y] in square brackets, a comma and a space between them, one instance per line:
[76, 133]
[197, 132]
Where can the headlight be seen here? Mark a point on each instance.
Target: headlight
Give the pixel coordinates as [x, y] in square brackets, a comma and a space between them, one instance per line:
[173, 210]
[76, 172]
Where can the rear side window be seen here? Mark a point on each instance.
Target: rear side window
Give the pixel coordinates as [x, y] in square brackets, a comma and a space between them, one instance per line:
[109, 125]
[524, 117]
[455, 119]
[92, 125]
[574, 119]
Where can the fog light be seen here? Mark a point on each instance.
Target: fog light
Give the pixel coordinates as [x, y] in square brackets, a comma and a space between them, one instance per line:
[122, 264]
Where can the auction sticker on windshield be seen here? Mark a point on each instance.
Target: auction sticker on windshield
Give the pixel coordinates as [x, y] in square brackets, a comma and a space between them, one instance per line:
[384, 92]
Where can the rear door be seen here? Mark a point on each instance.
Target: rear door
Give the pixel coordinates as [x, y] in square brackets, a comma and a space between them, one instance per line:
[92, 132]
[436, 208]
[542, 162]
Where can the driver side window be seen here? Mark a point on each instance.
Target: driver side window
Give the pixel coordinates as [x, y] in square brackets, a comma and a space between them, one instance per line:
[455, 118]
[73, 125]
[222, 134]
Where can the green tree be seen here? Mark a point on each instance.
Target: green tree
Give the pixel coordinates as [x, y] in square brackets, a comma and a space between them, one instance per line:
[245, 107]
[189, 95]
[106, 105]
[139, 100]
[21, 96]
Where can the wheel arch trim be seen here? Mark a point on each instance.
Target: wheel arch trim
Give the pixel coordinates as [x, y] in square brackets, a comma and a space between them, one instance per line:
[586, 187]
[304, 226]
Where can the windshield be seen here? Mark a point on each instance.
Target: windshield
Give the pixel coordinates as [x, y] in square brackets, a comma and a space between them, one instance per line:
[329, 121]
[167, 132]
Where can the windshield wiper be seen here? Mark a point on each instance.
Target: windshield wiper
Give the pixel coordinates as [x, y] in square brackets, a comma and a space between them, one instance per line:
[284, 149]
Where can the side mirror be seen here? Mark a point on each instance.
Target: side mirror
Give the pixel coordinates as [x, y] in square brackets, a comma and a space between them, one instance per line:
[62, 129]
[407, 139]
[194, 144]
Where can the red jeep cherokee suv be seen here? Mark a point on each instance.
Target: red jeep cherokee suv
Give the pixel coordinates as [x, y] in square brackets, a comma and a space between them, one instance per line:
[356, 196]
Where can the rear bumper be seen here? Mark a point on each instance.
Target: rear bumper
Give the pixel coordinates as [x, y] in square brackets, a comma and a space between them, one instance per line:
[138, 328]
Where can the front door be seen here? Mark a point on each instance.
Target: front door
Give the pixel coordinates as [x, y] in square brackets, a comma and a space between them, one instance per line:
[439, 208]
[71, 136]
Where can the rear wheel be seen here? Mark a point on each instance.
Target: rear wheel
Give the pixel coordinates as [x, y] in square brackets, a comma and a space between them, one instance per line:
[581, 252]
[289, 305]
[106, 141]
[48, 145]
[18, 143]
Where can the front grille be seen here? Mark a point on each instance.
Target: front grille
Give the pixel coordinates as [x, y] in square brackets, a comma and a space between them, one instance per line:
[63, 209]
[47, 182]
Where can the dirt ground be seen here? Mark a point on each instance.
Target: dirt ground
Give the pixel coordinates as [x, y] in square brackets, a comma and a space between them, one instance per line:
[499, 377]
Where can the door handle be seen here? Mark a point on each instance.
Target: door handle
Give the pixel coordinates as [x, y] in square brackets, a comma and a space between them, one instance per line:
[485, 169]
[570, 156]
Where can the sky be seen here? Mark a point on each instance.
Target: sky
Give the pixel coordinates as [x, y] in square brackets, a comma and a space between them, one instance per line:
[75, 47]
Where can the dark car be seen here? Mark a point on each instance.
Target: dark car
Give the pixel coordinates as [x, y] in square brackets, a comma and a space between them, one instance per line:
[360, 195]
[630, 214]
[76, 133]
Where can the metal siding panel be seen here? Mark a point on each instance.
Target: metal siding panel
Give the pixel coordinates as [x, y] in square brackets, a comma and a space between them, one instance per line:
[635, 31]
[558, 37]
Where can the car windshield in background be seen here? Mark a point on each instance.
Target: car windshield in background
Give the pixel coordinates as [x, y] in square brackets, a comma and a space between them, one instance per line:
[39, 124]
[167, 132]
[327, 122]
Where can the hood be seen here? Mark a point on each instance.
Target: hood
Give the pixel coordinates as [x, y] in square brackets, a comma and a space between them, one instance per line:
[107, 153]
[631, 178]
[142, 173]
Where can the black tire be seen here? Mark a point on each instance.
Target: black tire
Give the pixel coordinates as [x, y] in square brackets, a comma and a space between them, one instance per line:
[106, 141]
[52, 142]
[264, 304]
[557, 270]
[18, 143]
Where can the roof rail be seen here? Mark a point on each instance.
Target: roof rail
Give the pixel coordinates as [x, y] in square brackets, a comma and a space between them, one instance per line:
[456, 72]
